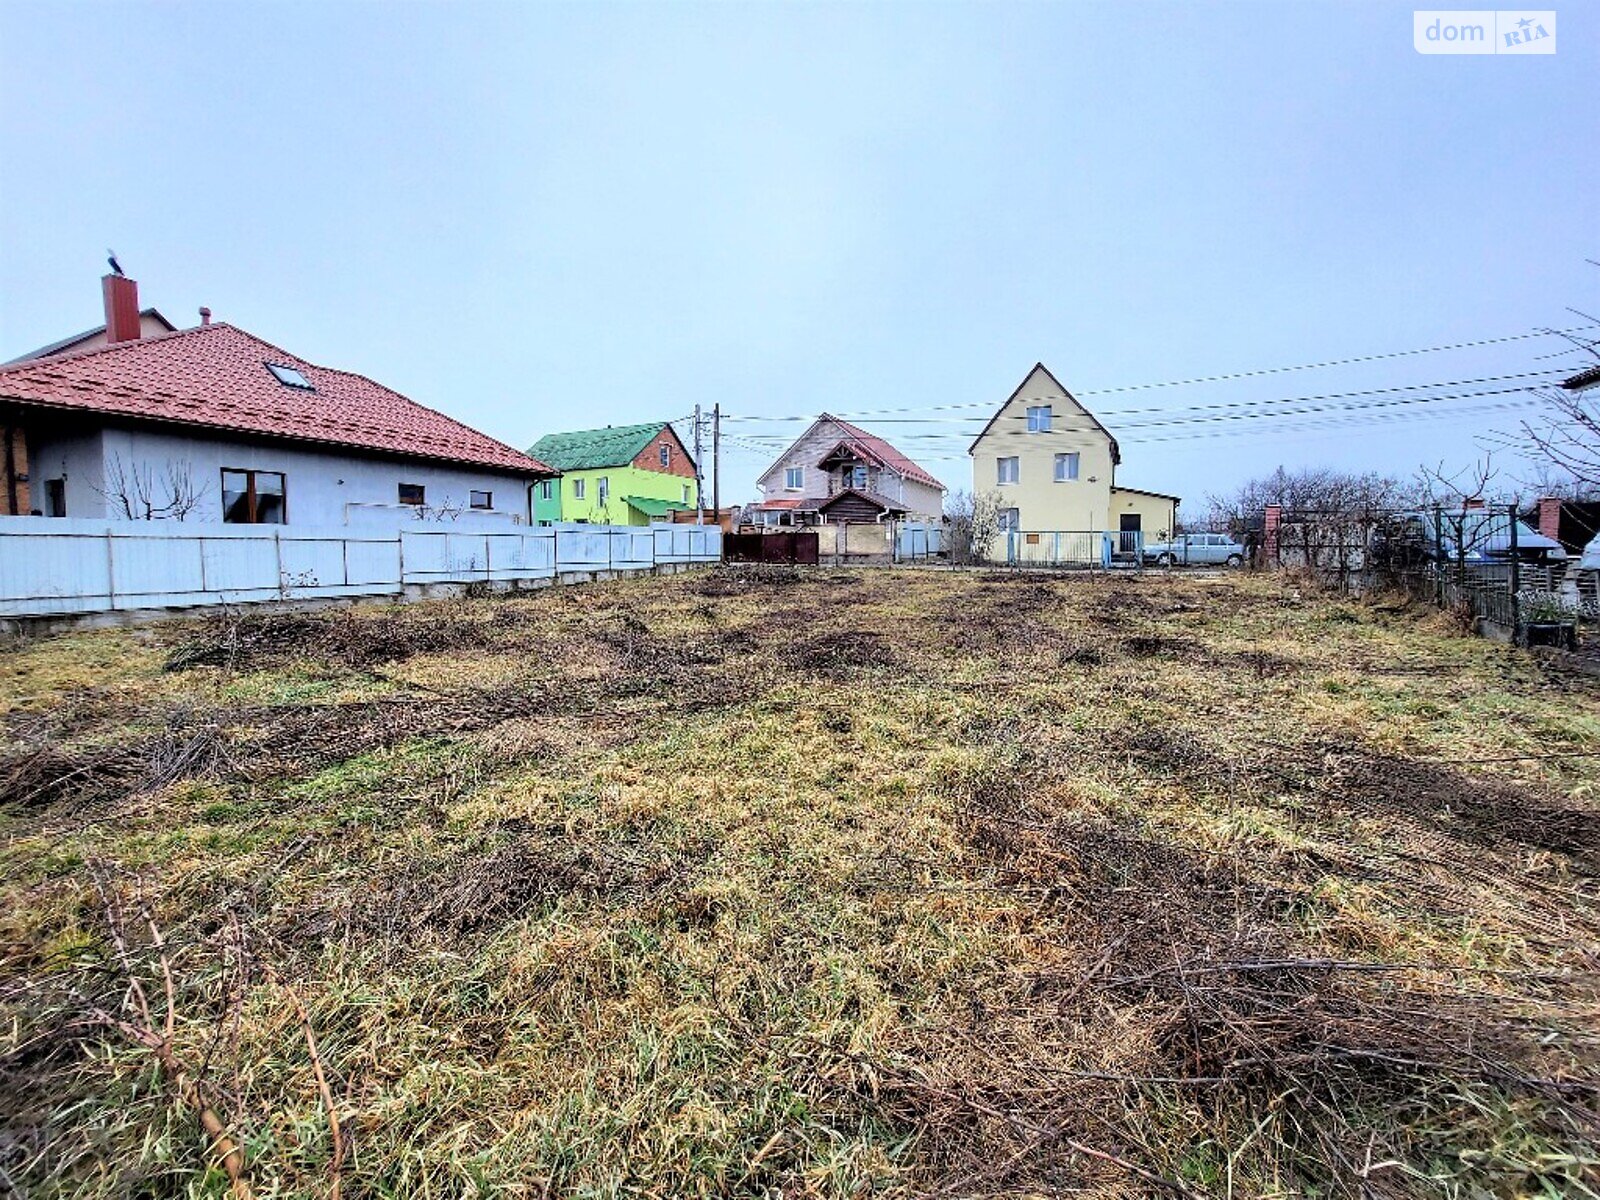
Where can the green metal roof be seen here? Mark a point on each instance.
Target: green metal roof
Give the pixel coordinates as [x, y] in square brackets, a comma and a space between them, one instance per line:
[613, 446]
[657, 508]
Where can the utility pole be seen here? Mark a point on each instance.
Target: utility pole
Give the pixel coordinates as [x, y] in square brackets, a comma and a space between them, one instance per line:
[716, 463]
[699, 475]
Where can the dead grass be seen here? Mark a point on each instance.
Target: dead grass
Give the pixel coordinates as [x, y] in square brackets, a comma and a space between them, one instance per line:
[796, 883]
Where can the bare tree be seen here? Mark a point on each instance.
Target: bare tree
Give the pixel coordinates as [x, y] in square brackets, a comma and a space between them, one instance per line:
[1569, 435]
[1547, 480]
[1465, 487]
[1328, 517]
[973, 523]
[445, 510]
[139, 495]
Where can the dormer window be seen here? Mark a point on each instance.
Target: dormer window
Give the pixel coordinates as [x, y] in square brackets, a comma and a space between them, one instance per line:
[290, 377]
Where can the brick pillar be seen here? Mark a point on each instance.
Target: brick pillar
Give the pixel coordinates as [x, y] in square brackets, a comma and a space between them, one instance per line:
[1270, 518]
[1550, 517]
[14, 497]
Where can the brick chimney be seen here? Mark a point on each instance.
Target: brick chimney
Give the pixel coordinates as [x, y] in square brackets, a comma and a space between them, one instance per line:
[1550, 517]
[122, 308]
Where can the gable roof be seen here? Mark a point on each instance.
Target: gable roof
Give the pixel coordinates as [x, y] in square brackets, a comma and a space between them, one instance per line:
[216, 377]
[1116, 451]
[70, 343]
[872, 498]
[586, 449]
[869, 445]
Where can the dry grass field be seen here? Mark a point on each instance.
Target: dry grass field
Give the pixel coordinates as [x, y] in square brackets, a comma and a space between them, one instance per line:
[887, 883]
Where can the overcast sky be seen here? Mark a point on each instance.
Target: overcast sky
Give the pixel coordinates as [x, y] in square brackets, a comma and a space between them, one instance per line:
[543, 218]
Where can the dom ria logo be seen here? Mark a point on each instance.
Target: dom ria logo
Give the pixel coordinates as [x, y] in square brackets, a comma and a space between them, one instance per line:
[1484, 32]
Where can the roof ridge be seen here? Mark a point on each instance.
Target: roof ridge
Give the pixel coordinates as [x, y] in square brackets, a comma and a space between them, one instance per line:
[113, 347]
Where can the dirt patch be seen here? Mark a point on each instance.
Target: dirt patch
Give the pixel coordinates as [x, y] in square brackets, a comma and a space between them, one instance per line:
[737, 581]
[341, 638]
[846, 652]
[478, 890]
[1482, 809]
[1154, 645]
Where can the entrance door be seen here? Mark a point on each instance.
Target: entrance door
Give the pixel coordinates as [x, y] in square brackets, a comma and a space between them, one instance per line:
[1128, 541]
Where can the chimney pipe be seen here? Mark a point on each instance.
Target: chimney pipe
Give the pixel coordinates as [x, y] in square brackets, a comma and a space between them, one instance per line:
[122, 308]
[205, 315]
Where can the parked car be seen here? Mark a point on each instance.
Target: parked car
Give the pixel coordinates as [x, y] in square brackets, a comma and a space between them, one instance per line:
[1474, 538]
[1196, 549]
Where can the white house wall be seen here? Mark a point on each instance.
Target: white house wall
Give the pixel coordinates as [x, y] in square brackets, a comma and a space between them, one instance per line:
[76, 459]
[323, 488]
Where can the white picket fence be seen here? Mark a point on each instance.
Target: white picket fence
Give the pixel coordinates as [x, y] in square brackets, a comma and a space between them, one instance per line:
[51, 566]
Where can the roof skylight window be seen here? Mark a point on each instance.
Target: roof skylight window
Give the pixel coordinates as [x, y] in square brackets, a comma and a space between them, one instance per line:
[290, 377]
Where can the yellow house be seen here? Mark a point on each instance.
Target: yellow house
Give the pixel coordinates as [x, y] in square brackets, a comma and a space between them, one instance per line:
[1053, 467]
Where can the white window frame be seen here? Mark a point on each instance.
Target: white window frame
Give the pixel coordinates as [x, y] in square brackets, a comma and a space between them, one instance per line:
[579, 487]
[1039, 418]
[1068, 465]
[666, 454]
[603, 492]
[794, 478]
[1000, 471]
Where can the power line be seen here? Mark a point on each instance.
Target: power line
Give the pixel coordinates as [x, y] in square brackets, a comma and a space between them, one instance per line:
[1370, 407]
[1222, 378]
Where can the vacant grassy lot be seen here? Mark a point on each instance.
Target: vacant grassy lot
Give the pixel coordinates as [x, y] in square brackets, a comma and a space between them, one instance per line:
[837, 884]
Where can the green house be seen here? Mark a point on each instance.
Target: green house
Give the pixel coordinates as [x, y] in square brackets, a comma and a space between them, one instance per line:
[619, 475]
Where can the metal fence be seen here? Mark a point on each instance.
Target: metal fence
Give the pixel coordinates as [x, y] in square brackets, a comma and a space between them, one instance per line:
[1070, 549]
[787, 547]
[1485, 560]
[919, 541]
[51, 566]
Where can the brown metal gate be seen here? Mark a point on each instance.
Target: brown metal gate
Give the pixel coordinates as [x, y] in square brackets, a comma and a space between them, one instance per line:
[791, 547]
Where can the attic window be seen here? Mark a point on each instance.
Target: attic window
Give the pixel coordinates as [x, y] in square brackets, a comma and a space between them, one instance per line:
[290, 377]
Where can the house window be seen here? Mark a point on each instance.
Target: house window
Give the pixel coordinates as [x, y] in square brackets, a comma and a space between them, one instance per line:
[666, 454]
[794, 478]
[290, 377]
[579, 488]
[55, 497]
[253, 498]
[413, 493]
[1039, 418]
[856, 477]
[1009, 470]
[604, 492]
[686, 493]
[1010, 518]
[1066, 467]
[547, 489]
[482, 499]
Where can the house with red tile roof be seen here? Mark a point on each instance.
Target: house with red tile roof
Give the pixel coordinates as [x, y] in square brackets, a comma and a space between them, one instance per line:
[214, 424]
[838, 473]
